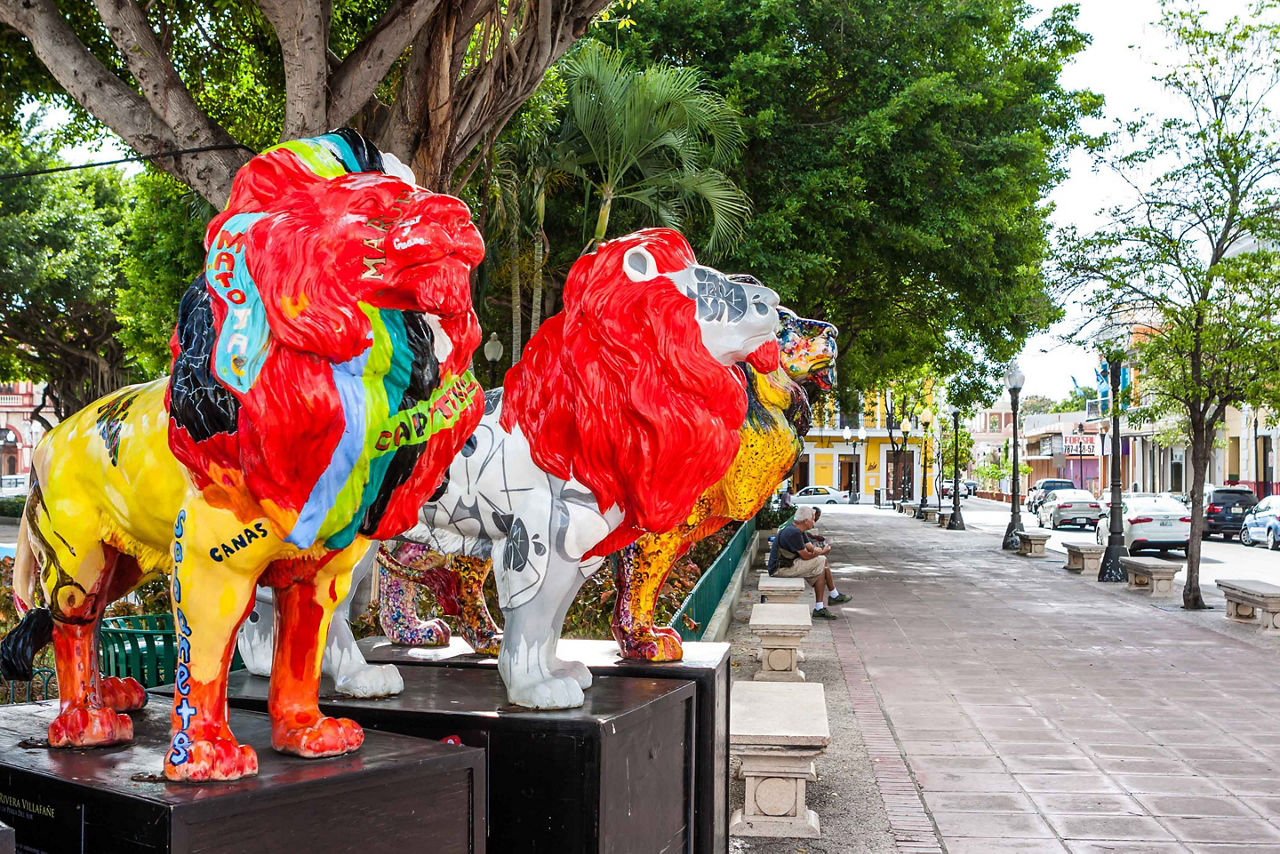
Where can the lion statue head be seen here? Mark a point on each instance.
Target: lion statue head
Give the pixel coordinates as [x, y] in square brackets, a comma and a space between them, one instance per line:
[321, 373]
[632, 388]
[808, 349]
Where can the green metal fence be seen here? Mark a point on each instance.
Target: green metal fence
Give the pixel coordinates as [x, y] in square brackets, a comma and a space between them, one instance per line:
[691, 620]
[143, 646]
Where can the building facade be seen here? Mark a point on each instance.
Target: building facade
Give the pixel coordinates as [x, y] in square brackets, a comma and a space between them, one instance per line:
[18, 434]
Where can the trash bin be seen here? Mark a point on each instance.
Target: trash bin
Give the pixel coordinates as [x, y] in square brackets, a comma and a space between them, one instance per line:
[879, 497]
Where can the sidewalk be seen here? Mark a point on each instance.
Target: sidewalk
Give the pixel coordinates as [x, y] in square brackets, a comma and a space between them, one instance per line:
[1034, 710]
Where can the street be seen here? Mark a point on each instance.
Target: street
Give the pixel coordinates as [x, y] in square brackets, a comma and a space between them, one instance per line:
[1218, 559]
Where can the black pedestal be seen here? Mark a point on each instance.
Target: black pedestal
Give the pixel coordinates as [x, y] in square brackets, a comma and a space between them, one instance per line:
[613, 777]
[705, 664]
[394, 794]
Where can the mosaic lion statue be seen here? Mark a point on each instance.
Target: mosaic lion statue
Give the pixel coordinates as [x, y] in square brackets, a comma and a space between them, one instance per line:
[772, 433]
[320, 387]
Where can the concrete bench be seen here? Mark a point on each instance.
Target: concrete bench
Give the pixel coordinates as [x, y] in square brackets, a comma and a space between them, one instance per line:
[1245, 598]
[1031, 545]
[781, 629]
[777, 730]
[930, 514]
[1084, 558]
[1148, 573]
[944, 518]
[782, 591]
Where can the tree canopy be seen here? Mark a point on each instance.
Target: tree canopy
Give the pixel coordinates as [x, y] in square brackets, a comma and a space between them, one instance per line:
[428, 81]
[897, 171]
[1188, 271]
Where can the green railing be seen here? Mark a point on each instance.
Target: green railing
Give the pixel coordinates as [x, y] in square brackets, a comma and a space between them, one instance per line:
[27, 690]
[691, 620]
[143, 646]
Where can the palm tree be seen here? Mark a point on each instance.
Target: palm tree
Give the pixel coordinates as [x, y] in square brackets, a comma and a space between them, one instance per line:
[653, 137]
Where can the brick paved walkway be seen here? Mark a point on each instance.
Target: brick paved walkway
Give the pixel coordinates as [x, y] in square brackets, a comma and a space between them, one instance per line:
[1039, 711]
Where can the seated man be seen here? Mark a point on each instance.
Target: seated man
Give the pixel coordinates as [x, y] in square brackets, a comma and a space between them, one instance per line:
[794, 555]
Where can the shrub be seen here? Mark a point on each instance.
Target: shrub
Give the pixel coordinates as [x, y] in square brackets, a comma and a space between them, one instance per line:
[12, 506]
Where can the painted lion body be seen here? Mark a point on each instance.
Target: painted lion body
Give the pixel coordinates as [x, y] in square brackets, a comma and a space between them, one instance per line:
[320, 387]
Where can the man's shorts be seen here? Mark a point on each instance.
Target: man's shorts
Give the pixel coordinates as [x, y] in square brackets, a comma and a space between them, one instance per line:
[810, 570]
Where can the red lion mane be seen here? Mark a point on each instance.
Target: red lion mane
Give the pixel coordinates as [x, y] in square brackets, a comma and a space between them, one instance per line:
[618, 391]
[308, 257]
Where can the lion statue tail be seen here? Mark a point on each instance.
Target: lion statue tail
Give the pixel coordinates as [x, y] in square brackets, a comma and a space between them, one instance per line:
[19, 647]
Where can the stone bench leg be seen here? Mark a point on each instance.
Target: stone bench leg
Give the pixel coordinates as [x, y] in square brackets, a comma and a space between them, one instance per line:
[1091, 564]
[780, 659]
[1074, 563]
[775, 798]
[1240, 611]
[1138, 582]
[1162, 587]
[1270, 621]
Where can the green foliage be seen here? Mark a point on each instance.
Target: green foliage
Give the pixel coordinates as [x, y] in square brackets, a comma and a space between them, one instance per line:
[897, 153]
[60, 259]
[1189, 266]
[12, 507]
[946, 453]
[164, 252]
[654, 138]
[998, 467]
[1034, 404]
[1074, 402]
[768, 518]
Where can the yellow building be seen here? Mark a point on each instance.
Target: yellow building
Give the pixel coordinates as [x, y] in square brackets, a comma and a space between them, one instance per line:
[845, 454]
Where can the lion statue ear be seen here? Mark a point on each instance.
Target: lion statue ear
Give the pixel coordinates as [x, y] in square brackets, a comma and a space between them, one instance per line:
[639, 265]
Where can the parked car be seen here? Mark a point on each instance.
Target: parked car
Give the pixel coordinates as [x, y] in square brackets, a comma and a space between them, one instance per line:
[1069, 507]
[1262, 524]
[1105, 499]
[1152, 523]
[820, 495]
[971, 486]
[1042, 487]
[1225, 510]
[949, 485]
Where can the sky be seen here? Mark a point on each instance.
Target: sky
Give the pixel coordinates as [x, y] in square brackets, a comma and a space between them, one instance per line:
[1119, 64]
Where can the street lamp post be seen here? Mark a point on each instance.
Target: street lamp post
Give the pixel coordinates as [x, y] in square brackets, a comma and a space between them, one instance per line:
[957, 521]
[493, 352]
[1013, 380]
[926, 420]
[1110, 569]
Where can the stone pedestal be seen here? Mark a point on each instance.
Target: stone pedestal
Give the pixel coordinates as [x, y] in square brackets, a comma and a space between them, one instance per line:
[944, 518]
[1031, 545]
[782, 591]
[390, 795]
[1150, 575]
[781, 629]
[777, 731]
[706, 665]
[930, 514]
[614, 776]
[1086, 559]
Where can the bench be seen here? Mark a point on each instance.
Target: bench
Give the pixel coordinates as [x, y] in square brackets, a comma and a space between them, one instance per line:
[1148, 573]
[1084, 558]
[783, 591]
[777, 730]
[1031, 545]
[1245, 598]
[781, 629]
[930, 514]
[944, 518]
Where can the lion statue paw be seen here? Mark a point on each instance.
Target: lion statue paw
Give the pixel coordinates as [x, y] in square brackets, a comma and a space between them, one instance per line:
[209, 759]
[372, 680]
[81, 726]
[326, 737]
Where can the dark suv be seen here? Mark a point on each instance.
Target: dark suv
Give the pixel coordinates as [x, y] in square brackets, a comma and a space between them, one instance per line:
[1226, 509]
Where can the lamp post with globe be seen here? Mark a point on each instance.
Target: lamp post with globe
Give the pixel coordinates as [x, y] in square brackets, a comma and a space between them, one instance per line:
[956, 523]
[1013, 380]
[926, 421]
[493, 353]
[1111, 341]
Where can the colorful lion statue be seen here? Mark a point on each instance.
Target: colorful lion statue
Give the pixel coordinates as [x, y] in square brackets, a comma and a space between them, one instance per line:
[320, 387]
[771, 437]
[623, 410]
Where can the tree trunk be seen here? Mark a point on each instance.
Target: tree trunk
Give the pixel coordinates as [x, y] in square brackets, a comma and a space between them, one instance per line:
[536, 309]
[1201, 439]
[602, 218]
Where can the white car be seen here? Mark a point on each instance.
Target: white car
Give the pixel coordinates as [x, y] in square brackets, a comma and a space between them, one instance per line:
[820, 495]
[1152, 524]
[1068, 507]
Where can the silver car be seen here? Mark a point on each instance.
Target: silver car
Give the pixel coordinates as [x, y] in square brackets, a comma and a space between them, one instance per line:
[820, 495]
[1069, 507]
